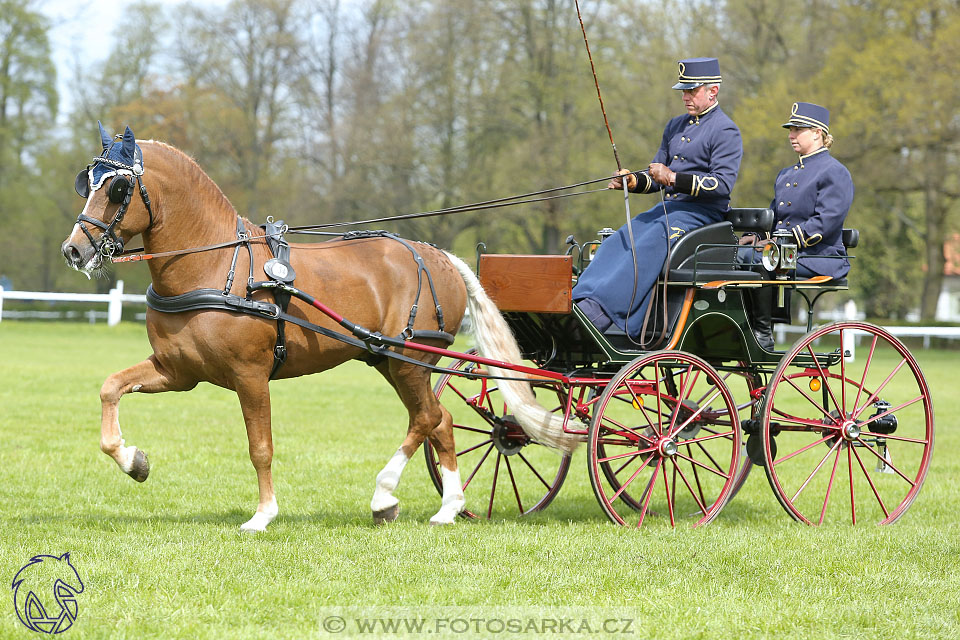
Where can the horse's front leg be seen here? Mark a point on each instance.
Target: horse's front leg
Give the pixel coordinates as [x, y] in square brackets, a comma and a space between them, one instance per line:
[255, 404]
[145, 377]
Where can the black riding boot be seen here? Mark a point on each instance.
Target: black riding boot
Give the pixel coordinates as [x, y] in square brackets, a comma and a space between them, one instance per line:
[761, 302]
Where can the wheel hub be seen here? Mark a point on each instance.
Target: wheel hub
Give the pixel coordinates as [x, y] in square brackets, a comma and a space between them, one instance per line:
[850, 430]
[508, 437]
[667, 447]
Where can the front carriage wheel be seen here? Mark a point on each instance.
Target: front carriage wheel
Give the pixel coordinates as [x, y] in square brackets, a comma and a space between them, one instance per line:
[848, 437]
[504, 473]
[664, 441]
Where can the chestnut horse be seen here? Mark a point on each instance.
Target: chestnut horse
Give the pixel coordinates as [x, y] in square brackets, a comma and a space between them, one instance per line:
[372, 281]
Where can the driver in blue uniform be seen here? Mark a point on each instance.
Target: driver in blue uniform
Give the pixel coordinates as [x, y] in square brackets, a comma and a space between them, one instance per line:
[696, 167]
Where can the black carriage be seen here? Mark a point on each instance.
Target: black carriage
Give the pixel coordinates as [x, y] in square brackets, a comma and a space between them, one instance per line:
[841, 421]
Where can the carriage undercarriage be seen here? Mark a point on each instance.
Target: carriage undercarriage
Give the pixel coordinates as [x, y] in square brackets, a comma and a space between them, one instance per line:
[673, 428]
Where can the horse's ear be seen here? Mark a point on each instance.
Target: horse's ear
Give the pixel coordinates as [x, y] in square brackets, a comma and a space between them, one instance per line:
[129, 143]
[104, 136]
[66, 556]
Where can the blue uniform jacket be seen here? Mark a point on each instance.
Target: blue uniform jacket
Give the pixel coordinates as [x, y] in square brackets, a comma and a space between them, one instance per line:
[811, 200]
[705, 152]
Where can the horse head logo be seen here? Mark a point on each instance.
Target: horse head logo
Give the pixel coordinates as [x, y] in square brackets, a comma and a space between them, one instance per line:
[40, 587]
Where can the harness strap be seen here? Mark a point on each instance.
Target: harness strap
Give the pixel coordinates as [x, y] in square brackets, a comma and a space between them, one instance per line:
[200, 299]
[280, 248]
[421, 269]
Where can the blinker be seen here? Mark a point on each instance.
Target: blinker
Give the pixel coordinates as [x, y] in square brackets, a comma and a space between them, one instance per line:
[82, 184]
[116, 192]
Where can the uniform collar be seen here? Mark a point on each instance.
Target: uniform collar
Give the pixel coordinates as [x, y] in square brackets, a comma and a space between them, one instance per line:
[810, 155]
[696, 119]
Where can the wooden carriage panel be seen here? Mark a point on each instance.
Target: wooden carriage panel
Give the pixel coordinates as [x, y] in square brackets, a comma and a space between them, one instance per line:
[538, 284]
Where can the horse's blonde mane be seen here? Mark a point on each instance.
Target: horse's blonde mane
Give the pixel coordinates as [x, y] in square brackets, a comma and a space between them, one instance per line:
[191, 167]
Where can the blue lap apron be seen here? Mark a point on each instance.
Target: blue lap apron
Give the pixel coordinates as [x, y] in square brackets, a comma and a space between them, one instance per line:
[609, 279]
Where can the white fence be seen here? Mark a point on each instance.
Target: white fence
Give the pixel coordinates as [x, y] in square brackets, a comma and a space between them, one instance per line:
[114, 300]
[947, 333]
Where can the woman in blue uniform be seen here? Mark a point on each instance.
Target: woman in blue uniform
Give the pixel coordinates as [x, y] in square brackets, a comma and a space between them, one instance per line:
[696, 167]
[811, 200]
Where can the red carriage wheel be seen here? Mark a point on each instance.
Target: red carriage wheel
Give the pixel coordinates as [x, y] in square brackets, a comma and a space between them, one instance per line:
[504, 473]
[847, 439]
[662, 441]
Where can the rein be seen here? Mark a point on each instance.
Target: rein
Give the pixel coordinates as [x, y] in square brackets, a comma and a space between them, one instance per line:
[134, 255]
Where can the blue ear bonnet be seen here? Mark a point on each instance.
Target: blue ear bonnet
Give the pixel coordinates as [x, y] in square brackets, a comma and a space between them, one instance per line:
[119, 156]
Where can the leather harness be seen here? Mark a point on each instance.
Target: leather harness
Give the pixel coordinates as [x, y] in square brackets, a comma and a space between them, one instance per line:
[280, 284]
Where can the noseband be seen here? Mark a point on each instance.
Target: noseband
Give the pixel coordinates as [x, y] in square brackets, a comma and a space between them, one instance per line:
[119, 192]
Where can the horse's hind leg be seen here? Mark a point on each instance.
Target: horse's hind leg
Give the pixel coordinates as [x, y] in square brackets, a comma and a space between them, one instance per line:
[255, 404]
[145, 377]
[426, 418]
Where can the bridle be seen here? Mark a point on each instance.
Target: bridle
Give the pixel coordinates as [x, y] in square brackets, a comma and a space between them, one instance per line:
[119, 192]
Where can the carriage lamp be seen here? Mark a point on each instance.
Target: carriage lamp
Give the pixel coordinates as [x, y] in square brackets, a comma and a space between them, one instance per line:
[885, 424]
[779, 253]
[590, 248]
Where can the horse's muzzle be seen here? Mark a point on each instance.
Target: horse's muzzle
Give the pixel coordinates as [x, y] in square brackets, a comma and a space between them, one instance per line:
[80, 255]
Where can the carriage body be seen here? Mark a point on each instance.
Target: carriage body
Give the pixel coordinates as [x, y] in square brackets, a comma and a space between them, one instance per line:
[673, 426]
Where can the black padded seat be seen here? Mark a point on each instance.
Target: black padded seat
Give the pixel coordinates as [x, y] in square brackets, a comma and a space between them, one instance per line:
[755, 220]
[705, 254]
[850, 237]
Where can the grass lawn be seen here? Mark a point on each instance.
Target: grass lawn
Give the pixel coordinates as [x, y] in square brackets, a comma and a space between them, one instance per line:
[165, 559]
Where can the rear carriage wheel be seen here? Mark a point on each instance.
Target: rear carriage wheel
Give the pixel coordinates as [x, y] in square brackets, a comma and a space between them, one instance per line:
[504, 473]
[662, 441]
[848, 439]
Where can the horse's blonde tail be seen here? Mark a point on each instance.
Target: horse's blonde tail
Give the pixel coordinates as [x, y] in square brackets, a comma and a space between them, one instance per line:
[496, 341]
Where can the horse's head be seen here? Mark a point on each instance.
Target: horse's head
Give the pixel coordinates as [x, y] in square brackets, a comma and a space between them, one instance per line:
[111, 215]
[40, 585]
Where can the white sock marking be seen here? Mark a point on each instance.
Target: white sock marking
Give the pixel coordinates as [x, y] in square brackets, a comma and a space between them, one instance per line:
[387, 481]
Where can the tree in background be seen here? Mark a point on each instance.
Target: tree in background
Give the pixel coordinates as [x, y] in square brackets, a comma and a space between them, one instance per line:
[321, 111]
[28, 106]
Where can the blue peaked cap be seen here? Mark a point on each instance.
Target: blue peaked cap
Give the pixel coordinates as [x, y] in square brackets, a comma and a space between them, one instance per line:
[694, 72]
[807, 114]
[124, 151]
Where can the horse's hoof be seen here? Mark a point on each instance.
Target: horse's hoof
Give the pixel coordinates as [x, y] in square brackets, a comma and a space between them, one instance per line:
[386, 515]
[140, 468]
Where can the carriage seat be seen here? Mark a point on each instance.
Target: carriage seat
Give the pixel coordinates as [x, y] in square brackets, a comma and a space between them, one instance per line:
[705, 254]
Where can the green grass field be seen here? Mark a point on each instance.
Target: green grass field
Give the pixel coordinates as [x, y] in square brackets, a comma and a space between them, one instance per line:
[165, 559]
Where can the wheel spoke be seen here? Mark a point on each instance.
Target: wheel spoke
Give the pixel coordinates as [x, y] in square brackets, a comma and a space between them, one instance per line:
[866, 369]
[853, 503]
[649, 491]
[513, 482]
[696, 462]
[814, 472]
[804, 394]
[801, 450]
[886, 462]
[891, 410]
[826, 378]
[699, 500]
[866, 474]
[675, 430]
[493, 489]
[876, 393]
[462, 427]
[535, 472]
[826, 498]
[631, 478]
[631, 454]
[666, 487]
[476, 446]
[477, 468]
